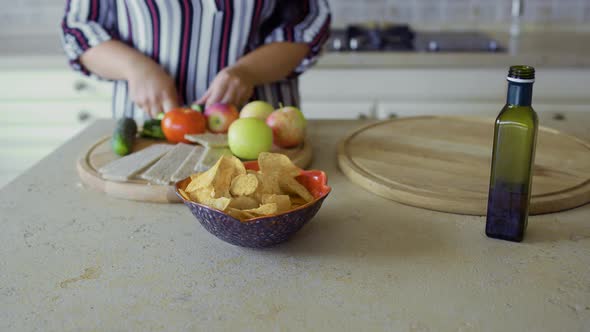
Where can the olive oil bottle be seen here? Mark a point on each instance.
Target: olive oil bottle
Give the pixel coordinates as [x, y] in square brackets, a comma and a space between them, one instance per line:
[513, 156]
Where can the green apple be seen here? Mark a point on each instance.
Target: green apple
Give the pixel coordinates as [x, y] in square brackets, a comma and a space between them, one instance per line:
[256, 109]
[247, 137]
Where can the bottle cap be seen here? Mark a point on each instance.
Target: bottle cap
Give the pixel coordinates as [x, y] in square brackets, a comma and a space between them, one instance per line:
[521, 74]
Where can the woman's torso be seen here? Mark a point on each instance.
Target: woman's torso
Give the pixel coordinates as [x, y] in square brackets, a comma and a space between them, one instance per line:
[193, 40]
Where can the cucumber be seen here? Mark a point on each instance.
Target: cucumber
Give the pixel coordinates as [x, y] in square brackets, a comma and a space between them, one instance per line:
[152, 128]
[124, 136]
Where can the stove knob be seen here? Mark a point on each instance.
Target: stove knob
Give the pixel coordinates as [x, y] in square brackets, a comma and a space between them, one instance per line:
[433, 46]
[337, 44]
[492, 46]
[353, 44]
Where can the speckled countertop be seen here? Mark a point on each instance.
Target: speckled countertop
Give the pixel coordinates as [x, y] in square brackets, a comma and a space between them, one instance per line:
[540, 49]
[75, 259]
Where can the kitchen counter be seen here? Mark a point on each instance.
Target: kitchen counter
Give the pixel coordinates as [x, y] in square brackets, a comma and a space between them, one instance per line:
[540, 49]
[75, 259]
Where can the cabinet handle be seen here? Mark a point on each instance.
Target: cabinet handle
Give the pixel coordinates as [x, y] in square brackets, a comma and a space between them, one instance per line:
[558, 117]
[83, 116]
[80, 86]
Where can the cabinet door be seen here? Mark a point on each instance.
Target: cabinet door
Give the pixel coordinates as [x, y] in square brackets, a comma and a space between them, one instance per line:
[31, 130]
[315, 109]
[561, 107]
[16, 160]
[63, 84]
[387, 110]
[49, 113]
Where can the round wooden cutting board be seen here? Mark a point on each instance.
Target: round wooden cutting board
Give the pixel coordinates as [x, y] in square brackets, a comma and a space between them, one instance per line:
[443, 164]
[100, 154]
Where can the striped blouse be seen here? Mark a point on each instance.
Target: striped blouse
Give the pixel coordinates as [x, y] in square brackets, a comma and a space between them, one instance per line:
[194, 39]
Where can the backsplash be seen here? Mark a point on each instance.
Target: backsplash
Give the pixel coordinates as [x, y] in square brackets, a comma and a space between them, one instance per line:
[42, 16]
[459, 12]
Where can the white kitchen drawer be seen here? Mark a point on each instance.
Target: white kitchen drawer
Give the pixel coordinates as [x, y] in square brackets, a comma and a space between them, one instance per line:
[451, 85]
[403, 109]
[24, 135]
[556, 107]
[18, 159]
[5, 178]
[54, 112]
[318, 109]
[22, 85]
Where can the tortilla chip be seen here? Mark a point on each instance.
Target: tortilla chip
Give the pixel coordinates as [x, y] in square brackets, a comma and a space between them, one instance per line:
[276, 163]
[184, 194]
[220, 203]
[240, 214]
[244, 203]
[264, 209]
[201, 195]
[244, 185]
[296, 200]
[283, 201]
[290, 185]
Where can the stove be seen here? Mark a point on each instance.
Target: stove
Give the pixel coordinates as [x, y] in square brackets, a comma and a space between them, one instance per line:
[401, 38]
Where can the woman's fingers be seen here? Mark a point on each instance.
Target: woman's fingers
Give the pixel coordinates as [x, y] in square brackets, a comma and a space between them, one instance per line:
[157, 109]
[229, 88]
[169, 101]
[204, 97]
[169, 104]
[231, 96]
[218, 91]
[245, 96]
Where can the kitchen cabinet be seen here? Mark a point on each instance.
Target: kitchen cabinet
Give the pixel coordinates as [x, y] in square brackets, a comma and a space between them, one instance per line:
[411, 92]
[337, 109]
[388, 110]
[41, 109]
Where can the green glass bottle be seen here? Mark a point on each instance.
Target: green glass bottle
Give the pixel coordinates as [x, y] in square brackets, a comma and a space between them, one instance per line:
[513, 156]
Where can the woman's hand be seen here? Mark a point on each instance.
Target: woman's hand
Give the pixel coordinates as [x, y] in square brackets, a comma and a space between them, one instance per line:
[151, 88]
[232, 85]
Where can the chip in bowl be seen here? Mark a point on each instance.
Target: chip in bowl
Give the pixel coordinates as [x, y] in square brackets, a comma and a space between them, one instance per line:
[247, 194]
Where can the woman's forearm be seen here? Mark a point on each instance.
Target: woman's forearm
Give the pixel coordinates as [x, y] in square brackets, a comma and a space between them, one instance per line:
[112, 60]
[272, 62]
[150, 86]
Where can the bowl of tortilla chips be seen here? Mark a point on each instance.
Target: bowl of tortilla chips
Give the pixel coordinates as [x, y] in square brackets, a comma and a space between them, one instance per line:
[255, 203]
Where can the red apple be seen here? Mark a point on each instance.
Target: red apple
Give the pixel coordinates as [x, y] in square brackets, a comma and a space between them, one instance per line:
[288, 126]
[220, 117]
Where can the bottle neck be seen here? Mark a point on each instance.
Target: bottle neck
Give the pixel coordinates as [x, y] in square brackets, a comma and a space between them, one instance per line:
[519, 94]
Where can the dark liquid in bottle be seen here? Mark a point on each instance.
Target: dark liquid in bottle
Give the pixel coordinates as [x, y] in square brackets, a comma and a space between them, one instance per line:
[507, 211]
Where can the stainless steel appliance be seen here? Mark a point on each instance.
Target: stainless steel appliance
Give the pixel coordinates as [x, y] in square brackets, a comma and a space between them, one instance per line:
[401, 38]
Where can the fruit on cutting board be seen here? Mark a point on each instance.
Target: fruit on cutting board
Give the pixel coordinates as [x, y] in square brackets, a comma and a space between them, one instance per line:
[124, 136]
[248, 137]
[288, 126]
[198, 107]
[256, 109]
[152, 128]
[220, 117]
[181, 121]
